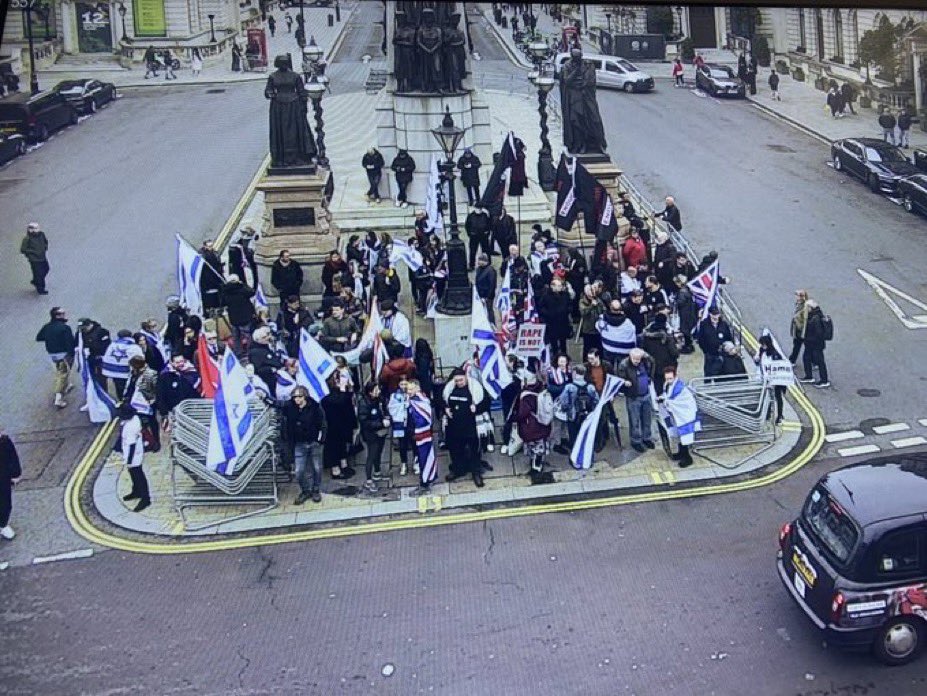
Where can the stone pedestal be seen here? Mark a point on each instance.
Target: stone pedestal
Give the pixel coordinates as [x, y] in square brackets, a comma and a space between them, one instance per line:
[296, 218]
[606, 173]
[405, 122]
[452, 340]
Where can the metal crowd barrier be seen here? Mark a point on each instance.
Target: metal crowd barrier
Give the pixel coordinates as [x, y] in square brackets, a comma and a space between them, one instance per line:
[254, 479]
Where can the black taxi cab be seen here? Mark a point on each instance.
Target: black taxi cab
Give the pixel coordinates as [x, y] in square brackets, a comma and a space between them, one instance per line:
[855, 560]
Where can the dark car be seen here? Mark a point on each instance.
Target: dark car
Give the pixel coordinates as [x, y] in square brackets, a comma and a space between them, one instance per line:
[874, 161]
[855, 561]
[86, 95]
[35, 117]
[913, 192]
[719, 80]
[11, 146]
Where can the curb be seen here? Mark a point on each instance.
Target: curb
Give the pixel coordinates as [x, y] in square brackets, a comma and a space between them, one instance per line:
[509, 51]
[791, 121]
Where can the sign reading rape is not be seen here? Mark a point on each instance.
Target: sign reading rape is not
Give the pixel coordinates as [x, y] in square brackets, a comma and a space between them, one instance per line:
[530, 341]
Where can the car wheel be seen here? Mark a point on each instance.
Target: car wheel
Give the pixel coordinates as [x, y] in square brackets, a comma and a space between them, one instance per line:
[41, 133]
[899, 640]
[712, 91]
[873, 182]
[838, 163]
[93, 106]
[908, 203]
[628, 87]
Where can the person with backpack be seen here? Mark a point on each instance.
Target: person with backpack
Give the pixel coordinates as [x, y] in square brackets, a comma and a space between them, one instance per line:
[535, 415]
[636, 371]
[818, 331]
[576, 401]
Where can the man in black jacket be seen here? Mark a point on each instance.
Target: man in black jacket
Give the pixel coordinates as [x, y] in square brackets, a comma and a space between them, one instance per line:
[177, 382]
[236, 296]
[10, 472]
[478, 225]
[485, 283]
[212, 278]
[59, 344]
[35, 248]
[264, 357]
[713, 332]
[503, 233]
[403, 167]
[469, 166]
[96, 340]
[304, 426]
[671, 214]
[286, 275]
[849, 96]
[904, 128]
[815, 342]
[373, 165]
[887, 124]
[386, 284]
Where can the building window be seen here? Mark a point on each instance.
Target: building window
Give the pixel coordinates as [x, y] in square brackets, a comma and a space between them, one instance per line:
[819, 32]
[149, 18]
[44, 21]
[838, 37]
[802, 38]
[854, 38]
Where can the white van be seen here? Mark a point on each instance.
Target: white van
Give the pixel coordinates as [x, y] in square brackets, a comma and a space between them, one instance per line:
[612, 71]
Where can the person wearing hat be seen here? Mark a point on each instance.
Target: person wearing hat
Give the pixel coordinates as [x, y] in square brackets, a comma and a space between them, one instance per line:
[35, 248]
[713, 331]
[373, 164]
[635, 309]
[660, 344]
[212, 277]
[96, 340]
[133, 452]
[469, 165]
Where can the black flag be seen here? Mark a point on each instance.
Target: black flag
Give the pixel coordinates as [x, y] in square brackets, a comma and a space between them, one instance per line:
[494, 194]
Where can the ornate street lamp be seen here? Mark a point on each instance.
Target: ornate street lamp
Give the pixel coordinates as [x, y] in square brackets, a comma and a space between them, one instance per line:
[457, 300]
[212, 28]
[316, 89]
[301, 29]
[122, 15]
[547, 177]
[679, 16]
[608, 19]
[33, 77]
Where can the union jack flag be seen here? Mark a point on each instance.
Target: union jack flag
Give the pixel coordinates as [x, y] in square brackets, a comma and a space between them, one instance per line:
[420, 412]
[530, 310]
[704, 288]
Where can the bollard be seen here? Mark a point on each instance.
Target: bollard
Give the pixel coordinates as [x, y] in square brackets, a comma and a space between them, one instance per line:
[331, 20]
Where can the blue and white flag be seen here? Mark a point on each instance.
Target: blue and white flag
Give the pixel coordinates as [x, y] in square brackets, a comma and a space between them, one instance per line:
[154, 339]
[680, 412]
[401, 251]
[232, 425]
[494, 372]
[140, 403]
[260, 299]
[584, 447]
[100, 405]
[315, 366]
[481, 331]
[189, 269]
[704, 288]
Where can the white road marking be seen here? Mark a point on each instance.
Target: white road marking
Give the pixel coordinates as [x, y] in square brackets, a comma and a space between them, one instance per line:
[848, 435]
[860, 449]
[883, 289]
[890, 428]
[80, 553]
[4, 565]
[923, 421]
[698, 93]
[909, 442]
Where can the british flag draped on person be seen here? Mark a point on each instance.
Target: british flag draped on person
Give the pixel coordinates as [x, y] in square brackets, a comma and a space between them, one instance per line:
[421, 419]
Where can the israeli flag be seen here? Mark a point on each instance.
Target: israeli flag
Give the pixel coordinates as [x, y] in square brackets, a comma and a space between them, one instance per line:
[189, 269]
[494, 372]
[315, 366]
[231, 425]
[481, 331]
[401, 251]
[584, 447]
[260, 299]
[100, 406]
[140, 403]
[154, 339]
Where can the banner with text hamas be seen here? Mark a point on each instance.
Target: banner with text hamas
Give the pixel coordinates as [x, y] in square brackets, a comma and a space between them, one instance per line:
[149, 17]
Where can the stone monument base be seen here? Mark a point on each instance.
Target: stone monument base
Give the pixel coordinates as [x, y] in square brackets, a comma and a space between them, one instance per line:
[296, 218]
[452, 339]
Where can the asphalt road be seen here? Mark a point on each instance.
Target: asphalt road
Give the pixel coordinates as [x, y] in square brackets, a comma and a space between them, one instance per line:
[670, 598]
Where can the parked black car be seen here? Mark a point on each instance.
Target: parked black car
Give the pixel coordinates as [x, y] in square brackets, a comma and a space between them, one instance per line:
[913, 192]
[86, 95]
[719, 80]
[11, 146]
[874, 161]
[35, 117]
[855, 560]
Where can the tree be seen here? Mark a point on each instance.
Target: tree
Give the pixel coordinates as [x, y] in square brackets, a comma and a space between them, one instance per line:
[882, 47]
[660, 20]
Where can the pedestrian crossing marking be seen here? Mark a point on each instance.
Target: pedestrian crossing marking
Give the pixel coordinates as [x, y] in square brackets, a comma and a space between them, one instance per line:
[890, 428]
[790, 426]
[669, 476]
[859, 449]
[432, 503]
[909, 442]
[884, 290]
[655, 476]
[923, 421]
[840, 437]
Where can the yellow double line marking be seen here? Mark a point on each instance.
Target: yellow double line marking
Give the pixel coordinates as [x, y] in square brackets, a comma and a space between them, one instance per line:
[661, 477]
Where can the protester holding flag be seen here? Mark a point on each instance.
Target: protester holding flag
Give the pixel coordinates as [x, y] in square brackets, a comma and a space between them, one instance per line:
[305, 433]
[96, 340]
[420, 421]
[680, 413]
[142, 395]
[398, 325]
[463, 399]
[617, 332]
[155, 356]
[98, 404]
[133, 452]
[177, 382]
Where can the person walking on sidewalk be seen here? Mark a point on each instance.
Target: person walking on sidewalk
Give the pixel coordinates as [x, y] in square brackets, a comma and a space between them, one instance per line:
[816, 338]
[168, 65]
[834, 102]
[271, 25]
[133, 452]
[679, 79]
[849, 96]
[196, 62]
[59, 344]
[799, 321]
[151, 62]
[35, 248]
[10, 472]
[305, 434]
[904, 126]
[774, 86]
[289, 23]
[887, 124]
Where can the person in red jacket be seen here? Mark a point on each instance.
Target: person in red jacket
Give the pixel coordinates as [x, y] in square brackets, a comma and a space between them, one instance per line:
[534, 434]
[634, 251]
[678, 70]
[397, 369]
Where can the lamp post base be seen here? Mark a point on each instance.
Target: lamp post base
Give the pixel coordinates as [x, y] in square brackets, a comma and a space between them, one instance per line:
[458, 295]
[547, 175]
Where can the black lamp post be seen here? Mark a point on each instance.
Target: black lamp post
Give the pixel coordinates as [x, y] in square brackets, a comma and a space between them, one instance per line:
[337, 11]
[122, 15]
[212, 28]
[457, 300]
[608, 20]
[301, 29]
[547, 177]
[33, 78]
[316, 89]
[679, 16]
